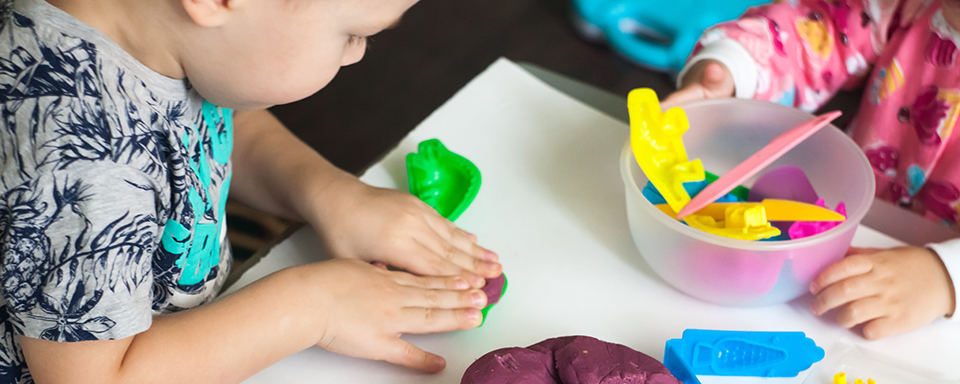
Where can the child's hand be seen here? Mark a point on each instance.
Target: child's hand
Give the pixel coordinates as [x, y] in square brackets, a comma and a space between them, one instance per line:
[890, 291]
[707, 79]
[396, 228]
[366, 309]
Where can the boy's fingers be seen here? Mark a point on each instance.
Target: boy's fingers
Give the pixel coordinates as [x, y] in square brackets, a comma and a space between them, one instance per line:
[457, 257]
[432, 282]
[443, 299]
[465, 241]
[426, 261]
[400, 352]
[848, 267]
[860, 311]
[431, 320]
[842, 292]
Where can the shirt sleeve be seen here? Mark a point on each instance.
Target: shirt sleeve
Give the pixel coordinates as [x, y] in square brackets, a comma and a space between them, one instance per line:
[949, 252]
[77, 253]
[800, 53]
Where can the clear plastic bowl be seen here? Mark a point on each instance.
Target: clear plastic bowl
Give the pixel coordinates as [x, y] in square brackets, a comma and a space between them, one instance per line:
[727, 271]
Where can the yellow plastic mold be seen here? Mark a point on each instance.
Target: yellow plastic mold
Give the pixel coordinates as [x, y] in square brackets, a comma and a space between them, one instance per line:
[655, 137]
[841, 378]
[744, 222]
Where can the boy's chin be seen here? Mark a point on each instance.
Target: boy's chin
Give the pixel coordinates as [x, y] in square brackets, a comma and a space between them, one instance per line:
[245, 97]
[252, 104]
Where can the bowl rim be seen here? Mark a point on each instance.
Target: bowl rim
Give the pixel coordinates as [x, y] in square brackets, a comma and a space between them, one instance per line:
[853, 218]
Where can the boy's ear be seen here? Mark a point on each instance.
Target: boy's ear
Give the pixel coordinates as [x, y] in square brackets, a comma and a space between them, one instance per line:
[210, 13]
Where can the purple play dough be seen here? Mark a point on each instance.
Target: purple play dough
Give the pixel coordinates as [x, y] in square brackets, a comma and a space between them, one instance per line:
[494, 288]
[568, 360]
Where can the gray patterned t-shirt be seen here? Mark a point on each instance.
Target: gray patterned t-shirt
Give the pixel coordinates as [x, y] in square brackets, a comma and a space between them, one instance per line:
[112, 190]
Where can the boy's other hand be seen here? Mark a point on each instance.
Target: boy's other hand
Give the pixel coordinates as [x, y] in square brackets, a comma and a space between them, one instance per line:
[890, 291]
[367, 309]
[397, 229]
[707, 79]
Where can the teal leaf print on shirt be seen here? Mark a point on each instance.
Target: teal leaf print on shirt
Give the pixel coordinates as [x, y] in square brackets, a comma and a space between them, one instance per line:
[199, 247]
[221, 142]
[915, 179]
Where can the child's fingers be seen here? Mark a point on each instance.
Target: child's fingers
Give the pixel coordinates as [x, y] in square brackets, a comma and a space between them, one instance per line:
[684, 95]
[443, 299]
[461, 239]
[459, 259]
[431, 320]
[880, 328]
[714, 75]
[846, 268]
[860, 311]
[400, 352]
[842, 292]
[432, 282]
[861, 251]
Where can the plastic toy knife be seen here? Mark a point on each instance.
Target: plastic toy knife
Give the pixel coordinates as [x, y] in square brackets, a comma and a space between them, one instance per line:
[766, 155]
[776, 210]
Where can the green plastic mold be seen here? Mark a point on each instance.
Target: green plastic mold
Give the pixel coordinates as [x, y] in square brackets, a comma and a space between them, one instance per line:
[444, 180]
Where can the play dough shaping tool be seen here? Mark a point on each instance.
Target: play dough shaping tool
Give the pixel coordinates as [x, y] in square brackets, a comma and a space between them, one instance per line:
[776, 210]
[655, 139]
[766, 155]
[740, 353]
[444, 180]
[741, 221]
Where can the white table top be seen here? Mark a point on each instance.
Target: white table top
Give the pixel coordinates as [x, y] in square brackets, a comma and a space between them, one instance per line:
[552, 205]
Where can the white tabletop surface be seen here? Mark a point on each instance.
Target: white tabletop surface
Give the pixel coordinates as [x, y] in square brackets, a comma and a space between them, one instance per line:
[552, 205]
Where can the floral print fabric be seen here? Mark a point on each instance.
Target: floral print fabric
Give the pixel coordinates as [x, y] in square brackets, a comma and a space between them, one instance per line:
[903, 51]
[112, 188]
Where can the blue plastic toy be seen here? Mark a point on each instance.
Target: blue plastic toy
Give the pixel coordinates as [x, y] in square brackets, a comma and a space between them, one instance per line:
[739, 193]
[739, 353]
[655, 34]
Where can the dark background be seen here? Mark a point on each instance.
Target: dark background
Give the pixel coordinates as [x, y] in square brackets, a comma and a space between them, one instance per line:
[411, 70]
[440, 45]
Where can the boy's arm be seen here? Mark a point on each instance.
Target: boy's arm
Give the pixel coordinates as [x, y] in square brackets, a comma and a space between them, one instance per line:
[277, 172]
[794, 55]
[329, 304]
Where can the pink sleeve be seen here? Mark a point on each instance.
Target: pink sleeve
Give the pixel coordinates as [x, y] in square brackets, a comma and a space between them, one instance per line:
[800, 55]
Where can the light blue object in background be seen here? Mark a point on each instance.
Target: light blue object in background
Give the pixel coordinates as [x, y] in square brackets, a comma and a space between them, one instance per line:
[739, 353]
[655, 34]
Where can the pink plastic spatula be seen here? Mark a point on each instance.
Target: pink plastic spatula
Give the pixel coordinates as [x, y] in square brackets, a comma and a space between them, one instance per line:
[766, 155]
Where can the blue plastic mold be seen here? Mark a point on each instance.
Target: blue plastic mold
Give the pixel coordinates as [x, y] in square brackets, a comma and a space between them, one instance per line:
[692, 187]
[740, 353]
[655, 34]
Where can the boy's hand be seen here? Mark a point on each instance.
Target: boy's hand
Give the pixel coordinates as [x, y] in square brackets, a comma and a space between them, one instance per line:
[395, 228]
[707, 79]
[366, 310]
[890, 291]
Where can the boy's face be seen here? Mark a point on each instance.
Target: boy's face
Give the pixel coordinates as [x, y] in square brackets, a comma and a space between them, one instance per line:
[271, 52]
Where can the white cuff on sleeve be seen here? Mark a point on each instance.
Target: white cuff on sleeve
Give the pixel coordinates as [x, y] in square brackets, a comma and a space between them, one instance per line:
[949, 252]
[733, 55]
